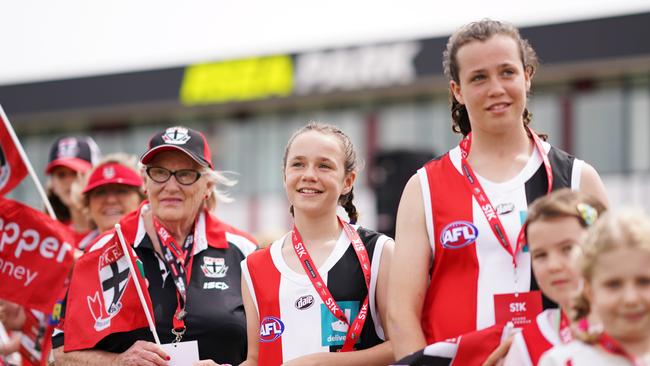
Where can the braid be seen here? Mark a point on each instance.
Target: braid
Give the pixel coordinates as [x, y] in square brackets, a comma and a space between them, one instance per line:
[346, 201]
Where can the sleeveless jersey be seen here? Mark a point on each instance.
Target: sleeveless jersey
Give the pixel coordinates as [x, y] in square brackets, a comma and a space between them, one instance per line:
[529, 345]
[469, 265]
[293, 319]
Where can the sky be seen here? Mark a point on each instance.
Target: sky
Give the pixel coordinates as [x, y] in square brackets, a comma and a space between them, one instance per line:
[46, 40]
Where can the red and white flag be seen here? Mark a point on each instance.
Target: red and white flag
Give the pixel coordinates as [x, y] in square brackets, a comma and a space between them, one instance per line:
[102, 296]
[36, 341]
[12, 166]
[35, 256]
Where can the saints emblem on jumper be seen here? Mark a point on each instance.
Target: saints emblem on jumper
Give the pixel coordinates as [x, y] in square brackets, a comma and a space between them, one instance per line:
[214, 267]
[113, 278]
[176, 136]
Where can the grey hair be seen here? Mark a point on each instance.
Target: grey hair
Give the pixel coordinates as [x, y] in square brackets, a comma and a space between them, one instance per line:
[217, 179]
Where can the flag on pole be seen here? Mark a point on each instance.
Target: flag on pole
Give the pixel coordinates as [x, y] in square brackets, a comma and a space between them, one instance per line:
[102, 296]
[35, 343]
[12, 166]
[35, 256]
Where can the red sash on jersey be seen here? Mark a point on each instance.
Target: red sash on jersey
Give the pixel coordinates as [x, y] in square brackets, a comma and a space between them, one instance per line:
[484, 202]
[179, 260]
[312, 272]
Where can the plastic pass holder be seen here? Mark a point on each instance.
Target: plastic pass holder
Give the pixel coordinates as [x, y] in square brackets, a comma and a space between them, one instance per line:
[519, 308]
[182, 353]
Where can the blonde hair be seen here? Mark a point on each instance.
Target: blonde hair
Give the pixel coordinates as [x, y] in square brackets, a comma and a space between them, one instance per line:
[626, 229]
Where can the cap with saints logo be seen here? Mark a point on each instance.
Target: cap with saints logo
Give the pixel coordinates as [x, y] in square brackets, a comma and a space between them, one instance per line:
[112, 173]
[78, 153]
[183, 139]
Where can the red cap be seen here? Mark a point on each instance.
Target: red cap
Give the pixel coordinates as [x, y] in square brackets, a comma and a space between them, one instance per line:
[112, 173]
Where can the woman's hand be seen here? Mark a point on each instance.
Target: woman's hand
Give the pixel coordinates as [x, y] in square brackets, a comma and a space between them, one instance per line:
[12, 346]
[12, 315]
[142, 353]
[497, 356]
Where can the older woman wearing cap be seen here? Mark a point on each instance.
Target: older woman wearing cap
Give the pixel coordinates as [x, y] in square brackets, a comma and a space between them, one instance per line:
[111, 189]
[190, 260]
[69, 157]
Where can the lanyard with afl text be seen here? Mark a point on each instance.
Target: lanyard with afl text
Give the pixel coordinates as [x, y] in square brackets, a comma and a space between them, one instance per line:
[179, 260]
[312, 272]
[484, 202]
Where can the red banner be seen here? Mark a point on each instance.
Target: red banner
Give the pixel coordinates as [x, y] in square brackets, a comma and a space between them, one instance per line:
[12, 167]
[35, 256]
[475, 347]
[102, 296]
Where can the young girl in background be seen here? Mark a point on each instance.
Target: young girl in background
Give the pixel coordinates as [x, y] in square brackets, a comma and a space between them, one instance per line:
[322, 287]
[615, 266]
[554, 226]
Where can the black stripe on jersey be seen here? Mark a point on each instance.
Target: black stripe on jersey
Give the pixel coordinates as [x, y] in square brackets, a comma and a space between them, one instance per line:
[536, 187]
[346, 283]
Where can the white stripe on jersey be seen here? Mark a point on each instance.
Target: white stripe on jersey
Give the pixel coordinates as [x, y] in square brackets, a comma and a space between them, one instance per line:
[501, 278]
[428, 212]
[576, 174]
[249, 283]
[374, 267]
[245, 246]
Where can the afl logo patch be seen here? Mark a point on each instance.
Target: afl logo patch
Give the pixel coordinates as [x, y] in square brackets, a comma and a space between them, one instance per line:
[458, 234]
[271, 328]
[304, 302]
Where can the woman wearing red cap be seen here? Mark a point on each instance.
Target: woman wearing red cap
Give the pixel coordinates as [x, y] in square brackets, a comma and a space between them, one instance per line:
[190, 261]
[112, 189]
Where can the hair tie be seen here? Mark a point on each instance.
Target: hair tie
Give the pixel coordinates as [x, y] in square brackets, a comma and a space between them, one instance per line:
[587, 213]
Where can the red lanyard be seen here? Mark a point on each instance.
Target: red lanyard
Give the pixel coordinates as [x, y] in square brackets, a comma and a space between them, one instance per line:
[484, 202]
[565, 333]
[610, 345]
[312, 272]
[179, 260]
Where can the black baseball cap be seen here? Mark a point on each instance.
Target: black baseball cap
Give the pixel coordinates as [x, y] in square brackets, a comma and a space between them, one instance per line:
[183, 139]
[78, 153]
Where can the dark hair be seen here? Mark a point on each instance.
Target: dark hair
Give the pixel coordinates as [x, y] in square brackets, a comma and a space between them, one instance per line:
[61, 211]
[349, 160]
[482, 31]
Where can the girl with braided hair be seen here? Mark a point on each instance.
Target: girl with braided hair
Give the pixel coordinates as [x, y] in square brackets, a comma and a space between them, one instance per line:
[321, 288]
